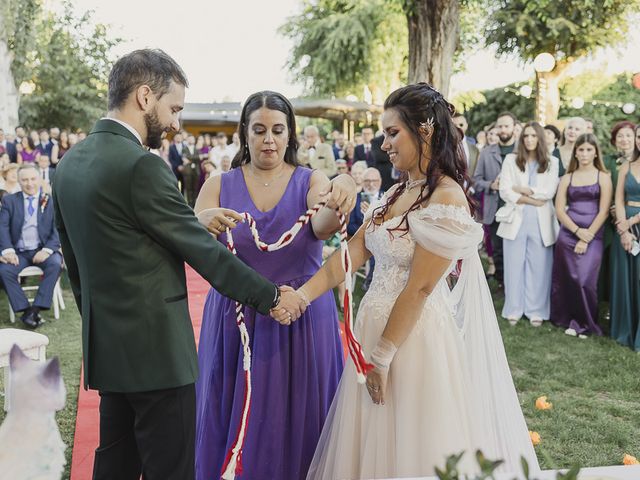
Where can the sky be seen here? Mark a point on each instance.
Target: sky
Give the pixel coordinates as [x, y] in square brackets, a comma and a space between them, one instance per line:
[231, 49]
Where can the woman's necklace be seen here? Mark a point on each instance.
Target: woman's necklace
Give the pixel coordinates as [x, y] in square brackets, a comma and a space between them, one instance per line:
[261, 181]
[410, 184]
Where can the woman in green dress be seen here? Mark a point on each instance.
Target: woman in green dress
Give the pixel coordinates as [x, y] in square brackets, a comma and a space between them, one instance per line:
[622, 135]
[625, 261]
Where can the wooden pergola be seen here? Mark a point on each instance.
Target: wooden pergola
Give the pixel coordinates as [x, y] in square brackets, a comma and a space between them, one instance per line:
[199, 118]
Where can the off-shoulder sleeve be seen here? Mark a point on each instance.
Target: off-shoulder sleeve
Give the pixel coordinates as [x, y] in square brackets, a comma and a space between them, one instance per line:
[448, 231]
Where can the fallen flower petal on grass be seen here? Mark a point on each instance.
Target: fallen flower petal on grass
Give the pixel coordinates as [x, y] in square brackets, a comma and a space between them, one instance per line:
[542, 404]
[630, 460]
[535, 438]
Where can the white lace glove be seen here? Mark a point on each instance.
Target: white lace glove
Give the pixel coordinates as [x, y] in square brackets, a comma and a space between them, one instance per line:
[383, 354]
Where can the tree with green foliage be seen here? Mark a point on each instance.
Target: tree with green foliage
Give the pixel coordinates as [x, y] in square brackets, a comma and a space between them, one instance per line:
[341, 46]
[70, 72]
[567, 29]
[64, 57]
[17, 40]
[482, 107]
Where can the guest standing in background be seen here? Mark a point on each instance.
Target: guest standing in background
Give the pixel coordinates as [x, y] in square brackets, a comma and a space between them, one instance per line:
[315, 154]
[552, 137]
[622, 139]
[574, 127]
[528, 183]
[625, 261]
[27, 151]
[486, 180]
[60, 148]
[586, 191]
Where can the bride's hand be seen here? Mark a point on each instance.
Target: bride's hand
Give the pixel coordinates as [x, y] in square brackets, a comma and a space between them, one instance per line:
[377, 384]
[219, 220]
[341, 194]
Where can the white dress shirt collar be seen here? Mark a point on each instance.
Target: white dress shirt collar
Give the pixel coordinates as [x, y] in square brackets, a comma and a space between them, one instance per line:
[127, 126]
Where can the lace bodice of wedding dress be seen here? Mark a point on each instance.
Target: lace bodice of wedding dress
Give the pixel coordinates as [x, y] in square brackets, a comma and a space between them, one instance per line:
[449, 387]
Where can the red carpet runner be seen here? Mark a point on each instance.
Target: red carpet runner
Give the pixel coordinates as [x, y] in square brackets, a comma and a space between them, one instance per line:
[87, 420]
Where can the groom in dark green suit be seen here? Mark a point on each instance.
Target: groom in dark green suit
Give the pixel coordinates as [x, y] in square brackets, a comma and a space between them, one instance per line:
[126, 232]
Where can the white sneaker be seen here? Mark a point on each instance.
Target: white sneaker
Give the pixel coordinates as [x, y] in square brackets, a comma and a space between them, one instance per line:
[571, 332]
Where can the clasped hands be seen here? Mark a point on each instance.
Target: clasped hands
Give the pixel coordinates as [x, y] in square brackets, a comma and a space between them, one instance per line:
[626, 237]
[291, 306]
[11, 258]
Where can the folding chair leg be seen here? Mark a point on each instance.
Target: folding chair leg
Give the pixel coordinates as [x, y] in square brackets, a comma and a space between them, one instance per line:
[60, 297]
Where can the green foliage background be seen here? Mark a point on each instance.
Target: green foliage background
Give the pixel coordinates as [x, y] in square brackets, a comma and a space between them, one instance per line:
[65, 56]
[482, 107]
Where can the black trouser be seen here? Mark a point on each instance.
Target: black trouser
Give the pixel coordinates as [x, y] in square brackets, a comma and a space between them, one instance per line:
[148, 433]
[496, 244]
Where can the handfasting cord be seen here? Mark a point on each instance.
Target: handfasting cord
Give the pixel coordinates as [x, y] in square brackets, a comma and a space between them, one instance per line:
[233, 461]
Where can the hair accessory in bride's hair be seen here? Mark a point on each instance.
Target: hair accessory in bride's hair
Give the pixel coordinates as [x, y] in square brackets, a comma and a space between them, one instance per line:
[430, 123]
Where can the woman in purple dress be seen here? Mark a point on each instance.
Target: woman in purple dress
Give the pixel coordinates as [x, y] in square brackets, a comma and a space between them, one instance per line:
[295, 369]
[586, 189]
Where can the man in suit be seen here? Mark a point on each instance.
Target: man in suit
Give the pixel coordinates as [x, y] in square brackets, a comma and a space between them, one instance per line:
[46, 145]
[315, 154]
[486, 179]
[380, 161]
[175, 155]
[8, 147]
[46, 172]
[28, 237]
[471, 152]
[126, 232]
[190, 170]
[363, 152]
[371, 190]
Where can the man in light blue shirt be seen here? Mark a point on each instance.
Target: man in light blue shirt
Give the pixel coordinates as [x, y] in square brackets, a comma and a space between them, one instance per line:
[28, 238]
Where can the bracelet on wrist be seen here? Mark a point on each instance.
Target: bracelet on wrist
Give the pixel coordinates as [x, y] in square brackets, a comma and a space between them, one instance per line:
[303, 295]
[575, 232]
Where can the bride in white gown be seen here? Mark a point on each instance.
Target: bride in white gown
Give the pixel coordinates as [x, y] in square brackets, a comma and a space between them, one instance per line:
[441, 383]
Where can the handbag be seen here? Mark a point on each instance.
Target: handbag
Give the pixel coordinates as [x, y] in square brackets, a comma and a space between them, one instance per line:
[506, 213]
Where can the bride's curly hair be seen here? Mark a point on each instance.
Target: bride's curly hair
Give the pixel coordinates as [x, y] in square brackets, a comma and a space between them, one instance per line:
[416, 105]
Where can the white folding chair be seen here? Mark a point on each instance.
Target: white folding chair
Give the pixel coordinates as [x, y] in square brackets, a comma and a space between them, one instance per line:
[58, 301]
[33, 345]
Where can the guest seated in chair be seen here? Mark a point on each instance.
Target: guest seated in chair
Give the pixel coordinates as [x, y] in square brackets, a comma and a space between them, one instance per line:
[28, 238]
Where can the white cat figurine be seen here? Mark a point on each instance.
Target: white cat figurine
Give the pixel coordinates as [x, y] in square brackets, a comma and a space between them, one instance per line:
[30, 444]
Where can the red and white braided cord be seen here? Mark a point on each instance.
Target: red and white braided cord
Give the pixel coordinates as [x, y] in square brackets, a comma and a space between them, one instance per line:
[233, 461]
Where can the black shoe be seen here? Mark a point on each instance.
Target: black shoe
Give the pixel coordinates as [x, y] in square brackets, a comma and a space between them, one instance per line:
[31, 318]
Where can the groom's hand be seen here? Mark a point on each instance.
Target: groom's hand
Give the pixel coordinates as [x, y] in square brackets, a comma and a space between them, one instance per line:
[290, 307]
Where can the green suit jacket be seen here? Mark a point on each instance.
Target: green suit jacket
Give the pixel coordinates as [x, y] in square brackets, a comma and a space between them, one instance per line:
[126, 232]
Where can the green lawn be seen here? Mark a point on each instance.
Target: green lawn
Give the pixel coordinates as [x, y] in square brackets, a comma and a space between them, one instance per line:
[64, 342]
[594, 386]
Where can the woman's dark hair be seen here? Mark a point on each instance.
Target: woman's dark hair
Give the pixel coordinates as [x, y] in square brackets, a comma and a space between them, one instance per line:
[143, 67]
[619, 126]
[272, 101]
[416, 104]
[542, 153]
[591, 139]
[556, 132]
[30, 142]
